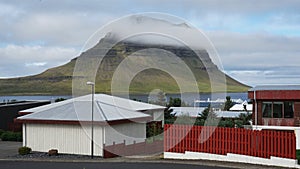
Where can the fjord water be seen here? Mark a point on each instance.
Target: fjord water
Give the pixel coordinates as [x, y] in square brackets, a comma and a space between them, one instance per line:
[191, 97]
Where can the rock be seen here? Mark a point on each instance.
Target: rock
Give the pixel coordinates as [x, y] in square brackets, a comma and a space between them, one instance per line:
[53, 152]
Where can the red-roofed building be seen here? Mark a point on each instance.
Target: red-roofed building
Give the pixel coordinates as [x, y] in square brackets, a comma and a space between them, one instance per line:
[276, 105]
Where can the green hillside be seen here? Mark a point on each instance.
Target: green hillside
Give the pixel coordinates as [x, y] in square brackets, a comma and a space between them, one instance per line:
[58, 80]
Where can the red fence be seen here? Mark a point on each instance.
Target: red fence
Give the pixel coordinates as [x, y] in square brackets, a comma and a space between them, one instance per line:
[133, 149]
[266, 143]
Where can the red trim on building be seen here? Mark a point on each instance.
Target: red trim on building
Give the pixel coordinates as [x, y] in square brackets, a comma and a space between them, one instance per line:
[73, 122]
[24, 113]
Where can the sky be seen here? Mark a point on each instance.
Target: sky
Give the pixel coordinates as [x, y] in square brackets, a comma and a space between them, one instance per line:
[258, 41]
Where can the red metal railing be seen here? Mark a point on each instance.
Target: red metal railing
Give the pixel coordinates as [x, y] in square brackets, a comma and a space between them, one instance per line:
[218, 140]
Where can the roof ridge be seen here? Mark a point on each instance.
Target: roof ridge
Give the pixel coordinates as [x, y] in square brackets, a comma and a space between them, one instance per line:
[117, 106]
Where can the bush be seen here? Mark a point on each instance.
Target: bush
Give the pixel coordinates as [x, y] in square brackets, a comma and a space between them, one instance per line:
[226, 123]
[11, 136]
[298, 156]
[1, 132]
[153, 129]
[238, 123]
[59, 99]
[24, 150]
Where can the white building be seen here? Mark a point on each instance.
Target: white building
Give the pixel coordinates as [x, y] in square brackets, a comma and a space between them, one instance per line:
[187, 111]
[241, 107]
[197, 111]
[66, 125]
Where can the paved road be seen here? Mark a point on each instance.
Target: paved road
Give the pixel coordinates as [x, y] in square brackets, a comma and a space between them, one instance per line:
[94, 165]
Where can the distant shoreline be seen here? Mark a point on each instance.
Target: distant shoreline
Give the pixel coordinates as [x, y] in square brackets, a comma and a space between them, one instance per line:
[187, 97]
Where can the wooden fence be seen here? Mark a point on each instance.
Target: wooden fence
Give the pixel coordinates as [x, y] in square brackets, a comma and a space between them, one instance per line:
[265, 143]
[142, 148]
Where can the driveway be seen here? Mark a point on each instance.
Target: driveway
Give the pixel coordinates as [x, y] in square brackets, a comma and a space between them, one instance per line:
[9, 148]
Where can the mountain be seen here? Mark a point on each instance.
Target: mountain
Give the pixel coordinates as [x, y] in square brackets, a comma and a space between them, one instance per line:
[58, 80]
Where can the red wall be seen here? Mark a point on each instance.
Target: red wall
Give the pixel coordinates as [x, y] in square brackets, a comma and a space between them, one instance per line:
[276, 95]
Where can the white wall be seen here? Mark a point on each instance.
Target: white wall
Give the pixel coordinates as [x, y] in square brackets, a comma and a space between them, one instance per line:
[273, 161]
[69, 139]
[128, 131]
[158, 115]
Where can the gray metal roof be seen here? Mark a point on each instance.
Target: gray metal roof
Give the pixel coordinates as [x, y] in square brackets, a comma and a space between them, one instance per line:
[275, 87]
[240, 107]
[229, 114]
[106, 108]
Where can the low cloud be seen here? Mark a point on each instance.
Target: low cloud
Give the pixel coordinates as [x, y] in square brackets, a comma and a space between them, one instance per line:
[28, 60]
[36, 64]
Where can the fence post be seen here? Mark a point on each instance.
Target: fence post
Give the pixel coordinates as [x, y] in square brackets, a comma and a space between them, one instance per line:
[293, 145]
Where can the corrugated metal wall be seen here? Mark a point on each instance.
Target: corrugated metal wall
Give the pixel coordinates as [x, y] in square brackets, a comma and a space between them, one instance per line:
[69, 139]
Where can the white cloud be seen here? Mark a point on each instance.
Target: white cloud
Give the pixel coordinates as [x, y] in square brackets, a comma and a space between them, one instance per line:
[27, 60]
[256, 51]
[37, 64]
[259, 58]
[261, 77]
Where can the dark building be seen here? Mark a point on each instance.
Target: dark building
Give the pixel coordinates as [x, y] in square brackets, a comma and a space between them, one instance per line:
[9, 111]
[276, 105]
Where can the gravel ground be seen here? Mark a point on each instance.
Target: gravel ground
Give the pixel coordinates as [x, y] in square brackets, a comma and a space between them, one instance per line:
[40, 155]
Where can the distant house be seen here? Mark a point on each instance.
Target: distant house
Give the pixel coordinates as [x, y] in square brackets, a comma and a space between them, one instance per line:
[9, 111]
[276, 105]
[245, 106]
[216, 105]
[66, 125]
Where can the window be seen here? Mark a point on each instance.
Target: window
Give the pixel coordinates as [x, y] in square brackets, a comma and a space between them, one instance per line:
[277, 109]
[267, 109]
[288, 109]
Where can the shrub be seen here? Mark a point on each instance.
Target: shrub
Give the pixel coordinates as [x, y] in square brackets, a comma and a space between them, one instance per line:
[1, 132]
[238, 123]
[59, 99]
[298, 156]
[11, 136]
[153, 129]
[24, 150]
[19, 137]
[226, 123]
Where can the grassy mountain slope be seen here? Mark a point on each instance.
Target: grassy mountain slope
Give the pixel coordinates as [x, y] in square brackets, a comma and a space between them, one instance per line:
[58, 80]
